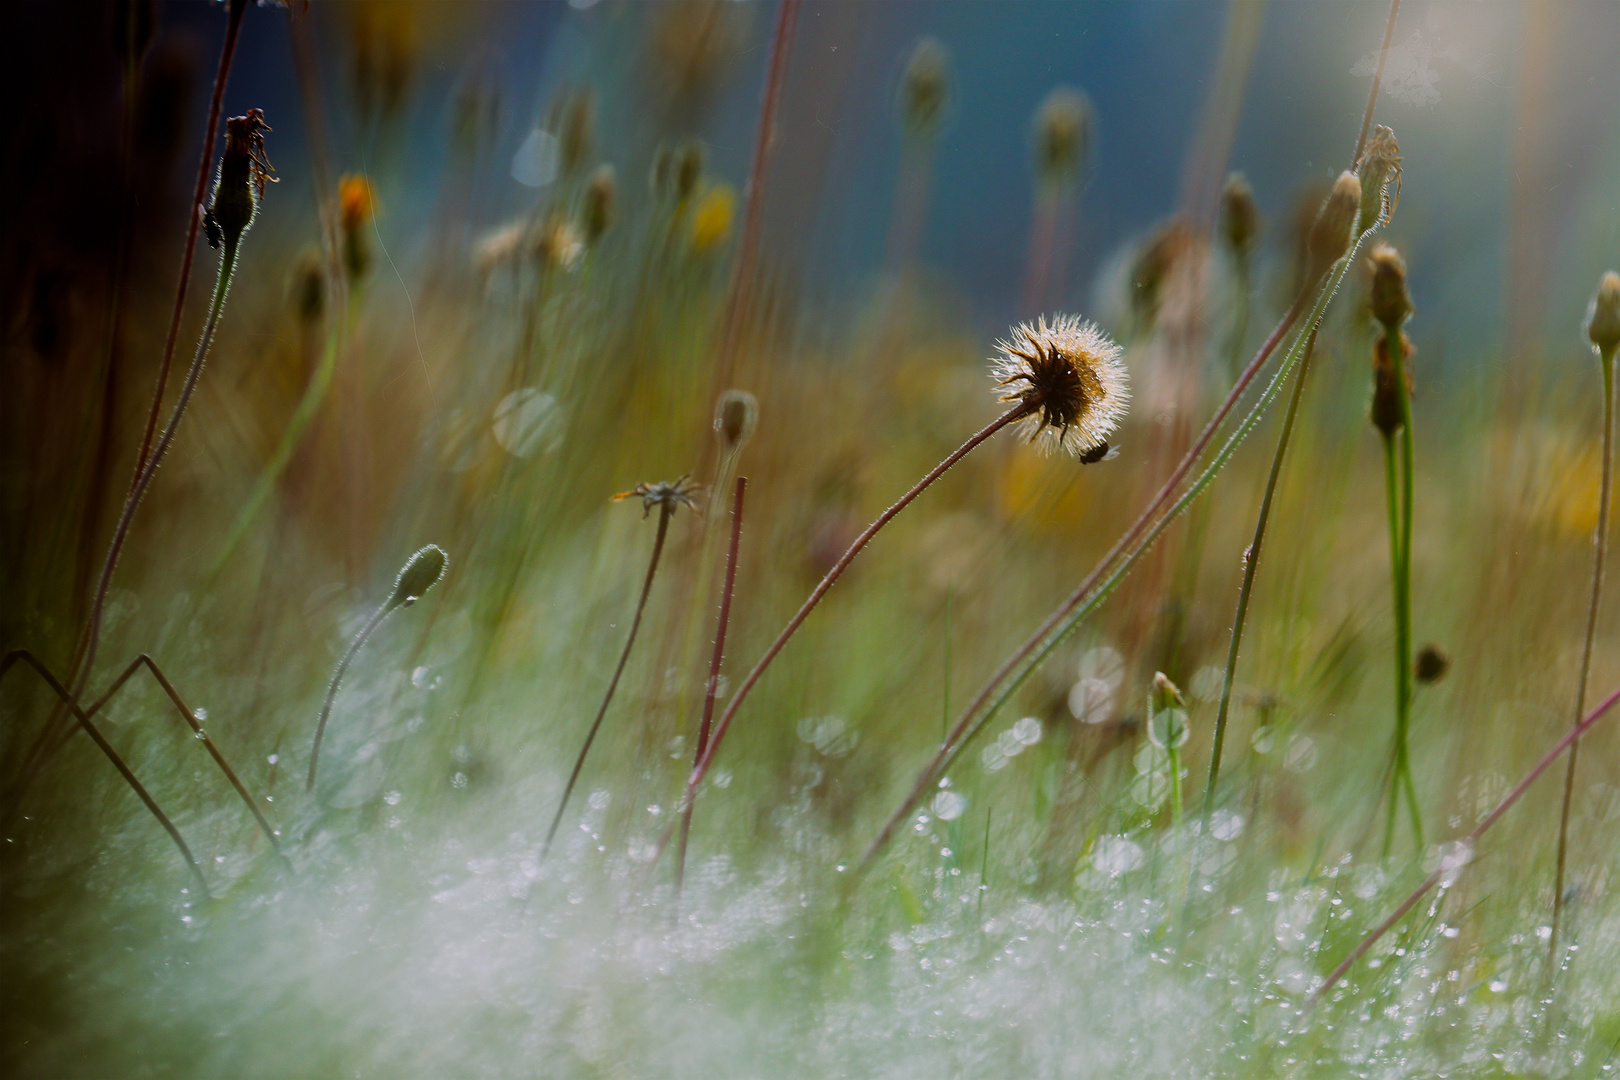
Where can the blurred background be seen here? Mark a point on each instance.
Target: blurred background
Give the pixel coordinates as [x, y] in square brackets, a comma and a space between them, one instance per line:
[517, 251]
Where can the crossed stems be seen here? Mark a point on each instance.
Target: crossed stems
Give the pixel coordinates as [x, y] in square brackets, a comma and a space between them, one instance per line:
[83, 718]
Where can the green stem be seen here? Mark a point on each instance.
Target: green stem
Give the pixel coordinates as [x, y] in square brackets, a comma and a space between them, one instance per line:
[1393, 497]
[1601, 543]
[1403, 586]
[1175, 786]
[1251, 560]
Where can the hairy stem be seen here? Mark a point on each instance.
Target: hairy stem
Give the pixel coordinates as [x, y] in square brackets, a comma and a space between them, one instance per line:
[1601, 544]
[337, 681]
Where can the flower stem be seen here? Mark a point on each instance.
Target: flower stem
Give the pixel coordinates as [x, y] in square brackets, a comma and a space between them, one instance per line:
[1096, 588]
[1401, 559]
[337, 681]
[1251, 561]
[1601, 544]
[665, 509]
[714, 667]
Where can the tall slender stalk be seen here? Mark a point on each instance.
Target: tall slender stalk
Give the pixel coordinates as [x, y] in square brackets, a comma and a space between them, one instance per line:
[1018, 412]
[1469, 841]
[1117, 562]
[1401, 564]
[665, 510]
[714, 667]
[1600, 555]
[1251, 562]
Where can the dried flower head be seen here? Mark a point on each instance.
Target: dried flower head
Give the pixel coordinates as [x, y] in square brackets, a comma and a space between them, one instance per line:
[666, 495]
[1386, 404]
[1069, 377]
[925, 88]
[243, 172]
[1380, 163]
[1603, 317]
[1390, 302]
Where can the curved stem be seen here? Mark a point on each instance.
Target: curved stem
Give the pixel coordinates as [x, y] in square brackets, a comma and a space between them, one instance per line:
[1601, 543]
[1472, 838]
[105, 747]
[337, 680]
[664, 512]
[1017, 412]
[1085, 599]
[1251, 562]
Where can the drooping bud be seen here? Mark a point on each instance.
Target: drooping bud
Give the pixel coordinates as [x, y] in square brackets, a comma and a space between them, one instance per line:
[1390, 302]
[1603, 316]
[1062, 136]
[243, 172]
[925, 89]
[420, 574]
[1386, 412]
[1240, 217]
[600, 196]
[735, 418]
[1330, 233]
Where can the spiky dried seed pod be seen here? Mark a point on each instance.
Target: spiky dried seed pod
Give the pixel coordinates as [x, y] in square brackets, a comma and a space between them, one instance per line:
[1240, 217]
[735, 417]
[926, 87]
[1062, 135]
[1068, 376]
[420, 574]
[1386, 405]
[600, 196]
[1380, 163]
[1330, 233]
[666, 495]
[1603, 316]
[243, 172]
[1390, 302]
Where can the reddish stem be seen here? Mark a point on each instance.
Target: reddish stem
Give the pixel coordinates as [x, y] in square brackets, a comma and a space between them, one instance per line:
[714, 666]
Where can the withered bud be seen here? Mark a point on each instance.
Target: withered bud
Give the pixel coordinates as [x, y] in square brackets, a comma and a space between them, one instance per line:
[1603, 317]
[1330, 233]
[600, 196]
[926, 88]
[1062, 136]
[1390, 302]
[307, 290]
[243, 172]
[1380, 163]
[420, 574]
[735, 418]
[688, 169]
[1431, 664]
[1240, 217]
[1386, 412]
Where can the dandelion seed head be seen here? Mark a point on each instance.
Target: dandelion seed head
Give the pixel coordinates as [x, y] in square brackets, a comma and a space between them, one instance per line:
[1071, 379]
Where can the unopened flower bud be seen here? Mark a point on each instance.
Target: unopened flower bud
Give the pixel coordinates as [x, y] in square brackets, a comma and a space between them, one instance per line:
[243, 172]
[735, 418]
[1603, 317]
[1062, 136]
[1390, 302]
[420, 574]
[1240, 217]
[1330, 233]
[926, 88]
[600, 197]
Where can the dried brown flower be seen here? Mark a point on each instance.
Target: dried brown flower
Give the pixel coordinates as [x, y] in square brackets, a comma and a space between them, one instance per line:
[1380, 163]
[243, 172]
[1069, 377]
[1390, 302]
[1386, 406]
